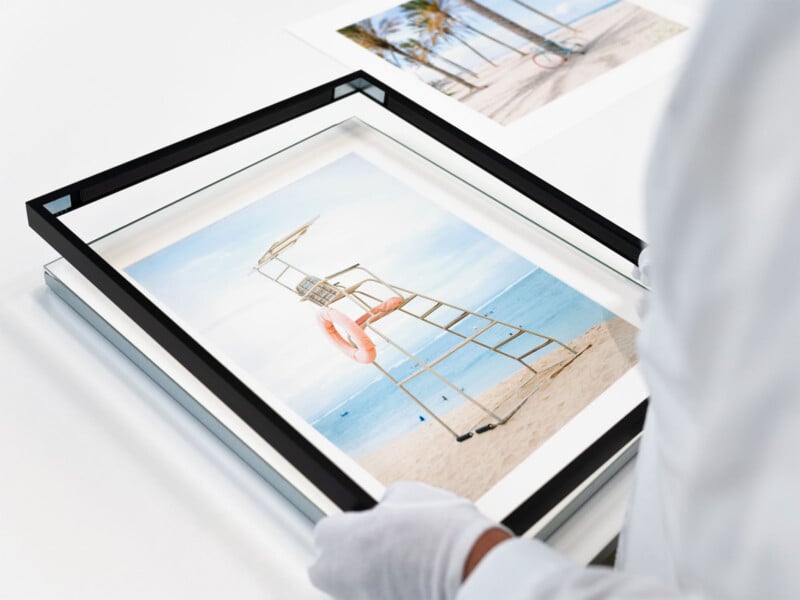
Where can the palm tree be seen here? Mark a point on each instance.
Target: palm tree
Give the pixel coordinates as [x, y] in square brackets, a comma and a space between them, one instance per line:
[435, 29]
[436, 19]
[507, 23]
[368, 36]
[375, 39]
[424, 51]
[393, 59]
[545, 15]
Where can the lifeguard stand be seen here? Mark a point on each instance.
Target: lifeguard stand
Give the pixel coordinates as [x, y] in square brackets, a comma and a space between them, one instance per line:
[357, 288]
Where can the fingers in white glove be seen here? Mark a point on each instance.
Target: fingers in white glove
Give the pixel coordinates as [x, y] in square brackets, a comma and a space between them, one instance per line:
[414, 545]
[642, 271]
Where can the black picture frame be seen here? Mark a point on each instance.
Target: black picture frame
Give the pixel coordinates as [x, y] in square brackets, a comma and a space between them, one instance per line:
[43, 217]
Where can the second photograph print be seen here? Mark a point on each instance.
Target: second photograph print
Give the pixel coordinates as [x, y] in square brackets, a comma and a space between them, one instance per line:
[506, 58]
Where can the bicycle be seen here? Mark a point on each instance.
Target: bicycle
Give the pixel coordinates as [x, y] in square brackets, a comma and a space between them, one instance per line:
[553, 54]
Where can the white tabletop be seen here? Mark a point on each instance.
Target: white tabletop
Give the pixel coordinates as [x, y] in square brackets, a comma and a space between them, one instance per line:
[109, 489]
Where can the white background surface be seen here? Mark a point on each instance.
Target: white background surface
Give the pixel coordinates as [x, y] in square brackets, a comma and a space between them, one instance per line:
[109, 490]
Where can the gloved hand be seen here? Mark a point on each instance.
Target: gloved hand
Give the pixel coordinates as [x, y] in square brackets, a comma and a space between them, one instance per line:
[642, 270]
[413, 545]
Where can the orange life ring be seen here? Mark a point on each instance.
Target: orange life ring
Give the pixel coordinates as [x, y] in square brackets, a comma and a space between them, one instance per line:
[380, 311]
[364, 349]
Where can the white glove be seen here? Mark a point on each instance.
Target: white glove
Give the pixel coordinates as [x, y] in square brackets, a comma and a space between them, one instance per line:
[413, 545]
[642, 270]
[642, 273]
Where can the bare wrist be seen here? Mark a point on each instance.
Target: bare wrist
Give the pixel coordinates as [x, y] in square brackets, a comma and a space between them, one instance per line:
[483, 545]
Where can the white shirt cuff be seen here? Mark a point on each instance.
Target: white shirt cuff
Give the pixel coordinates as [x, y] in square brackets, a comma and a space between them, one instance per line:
[516, 570]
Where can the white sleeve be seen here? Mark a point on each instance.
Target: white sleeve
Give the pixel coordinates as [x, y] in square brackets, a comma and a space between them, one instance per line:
[529, 570]
[720, 343]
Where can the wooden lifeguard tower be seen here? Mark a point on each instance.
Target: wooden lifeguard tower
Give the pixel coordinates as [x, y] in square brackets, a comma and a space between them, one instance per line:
[357, 291]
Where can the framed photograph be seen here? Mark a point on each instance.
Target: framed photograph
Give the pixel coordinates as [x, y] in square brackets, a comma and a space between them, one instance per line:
[510, 72]
[363, 294]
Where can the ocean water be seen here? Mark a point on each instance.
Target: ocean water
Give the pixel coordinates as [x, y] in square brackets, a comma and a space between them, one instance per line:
[381, 412]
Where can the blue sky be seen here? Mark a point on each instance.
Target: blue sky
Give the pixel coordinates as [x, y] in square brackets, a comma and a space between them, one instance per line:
[564, 10]
[365, 216]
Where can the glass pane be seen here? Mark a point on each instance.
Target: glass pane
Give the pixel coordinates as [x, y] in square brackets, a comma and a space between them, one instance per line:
[406, 312]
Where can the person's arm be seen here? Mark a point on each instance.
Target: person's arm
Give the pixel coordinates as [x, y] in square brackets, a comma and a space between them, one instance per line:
[719, 342]
[420, 543]
[719, 349]
[520, 569]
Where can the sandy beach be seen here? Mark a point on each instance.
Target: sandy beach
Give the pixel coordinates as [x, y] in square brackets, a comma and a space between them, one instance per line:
[470, 468]
[611, 36]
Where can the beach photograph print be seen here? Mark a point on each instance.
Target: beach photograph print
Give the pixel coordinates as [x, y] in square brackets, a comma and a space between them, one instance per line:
[418, 345]
[506, 58]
